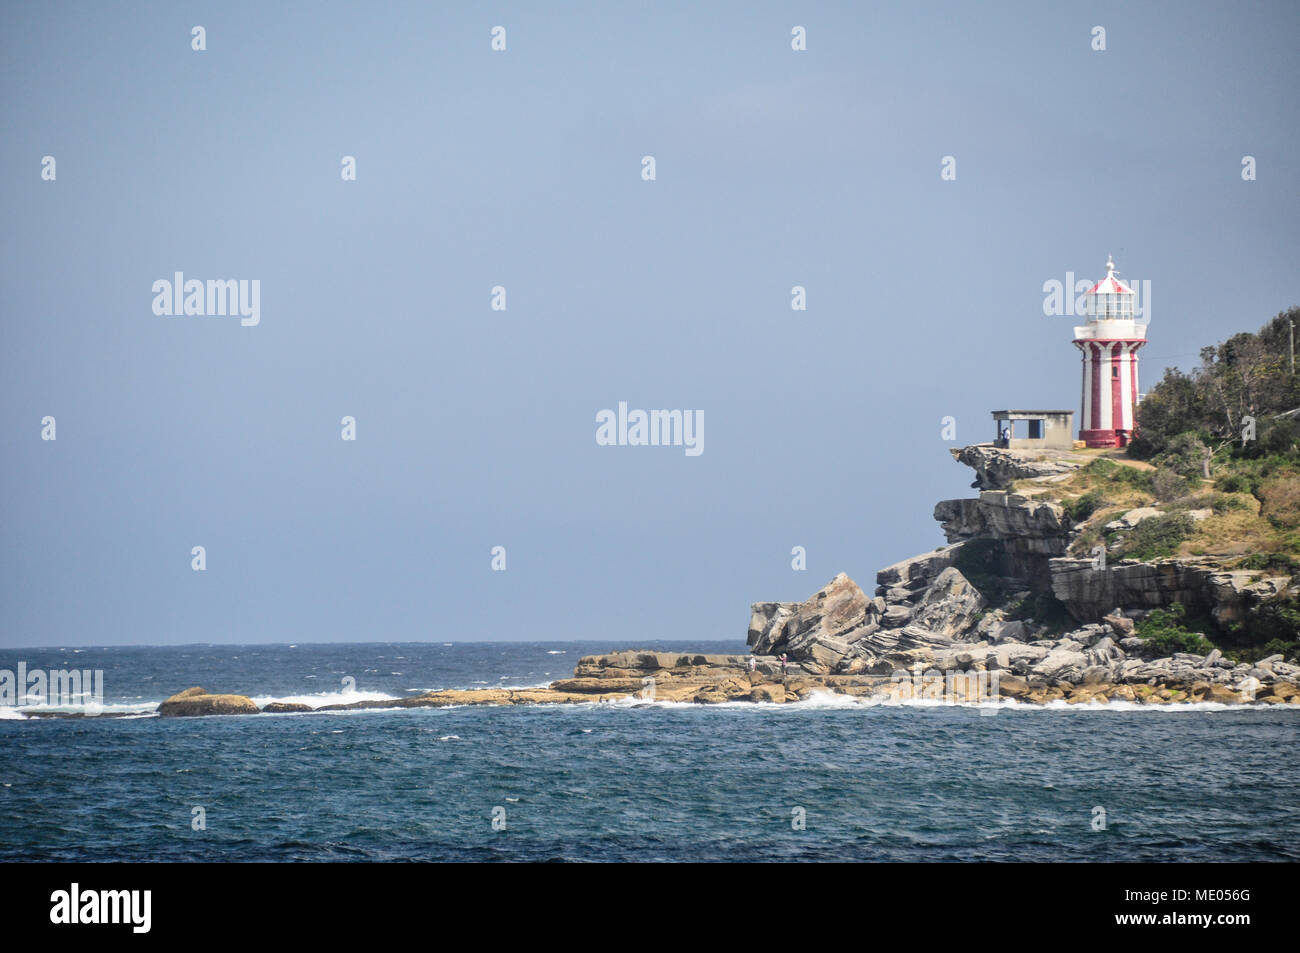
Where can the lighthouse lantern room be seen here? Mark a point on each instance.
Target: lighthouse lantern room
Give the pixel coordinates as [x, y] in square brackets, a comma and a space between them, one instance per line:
[1109, 343]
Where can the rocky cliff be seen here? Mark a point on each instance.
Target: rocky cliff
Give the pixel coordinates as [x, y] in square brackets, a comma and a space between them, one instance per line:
[1014, 540]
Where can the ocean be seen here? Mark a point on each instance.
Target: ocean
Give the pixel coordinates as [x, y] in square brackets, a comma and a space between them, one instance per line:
[830, 778]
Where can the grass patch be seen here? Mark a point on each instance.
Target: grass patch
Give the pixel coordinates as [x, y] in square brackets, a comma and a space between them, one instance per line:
[1109, 471]
[1280, 499]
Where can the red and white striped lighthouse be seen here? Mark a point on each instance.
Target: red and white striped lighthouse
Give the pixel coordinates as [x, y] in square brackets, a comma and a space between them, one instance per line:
[1109, 342]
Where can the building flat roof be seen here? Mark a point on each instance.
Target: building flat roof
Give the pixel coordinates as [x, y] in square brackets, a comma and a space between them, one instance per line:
[1003, 413]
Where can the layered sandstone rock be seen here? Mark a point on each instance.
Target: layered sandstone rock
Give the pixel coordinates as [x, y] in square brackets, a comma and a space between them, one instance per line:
[997, 469]
[1088, 591]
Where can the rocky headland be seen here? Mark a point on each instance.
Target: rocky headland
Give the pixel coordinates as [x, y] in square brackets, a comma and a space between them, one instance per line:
[1008, 610]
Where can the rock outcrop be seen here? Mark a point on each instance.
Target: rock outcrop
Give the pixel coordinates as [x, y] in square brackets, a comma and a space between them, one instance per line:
[819, 632]
[950, 605]
[1087, 666]
[1088, 591]
[925, 611]
[997, 469]
[1026, 532]
[196, 701]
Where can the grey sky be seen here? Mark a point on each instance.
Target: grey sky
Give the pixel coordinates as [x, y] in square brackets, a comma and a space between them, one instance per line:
[477, 428]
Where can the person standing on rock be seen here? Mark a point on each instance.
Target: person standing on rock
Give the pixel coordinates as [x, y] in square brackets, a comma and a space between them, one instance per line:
[753, 665]
[784, 662]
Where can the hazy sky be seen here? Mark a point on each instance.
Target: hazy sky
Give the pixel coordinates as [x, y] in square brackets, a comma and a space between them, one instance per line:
[476, 428]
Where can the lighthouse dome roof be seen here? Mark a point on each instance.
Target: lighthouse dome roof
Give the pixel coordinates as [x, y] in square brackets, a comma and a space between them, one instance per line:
[1110, 285]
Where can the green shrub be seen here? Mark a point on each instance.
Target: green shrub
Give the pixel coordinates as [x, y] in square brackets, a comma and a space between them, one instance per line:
[1089, 538]
[1184, 455]
[1233, 483]
[1222, 503]
[1279, 561]
[1276, 621]
[1080, 508]
[1168, 485]
[1165, 633]
[1288, 650]
[1245, 374]
[1157, 537]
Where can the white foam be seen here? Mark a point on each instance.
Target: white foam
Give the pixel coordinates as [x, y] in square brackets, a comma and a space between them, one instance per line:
[833, 700]
[90, 710]
[317, 699]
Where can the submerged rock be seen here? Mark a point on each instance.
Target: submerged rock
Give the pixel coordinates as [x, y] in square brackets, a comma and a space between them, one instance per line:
[284, 708]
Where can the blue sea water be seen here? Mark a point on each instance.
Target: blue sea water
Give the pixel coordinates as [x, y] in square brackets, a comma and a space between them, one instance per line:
[618, 782]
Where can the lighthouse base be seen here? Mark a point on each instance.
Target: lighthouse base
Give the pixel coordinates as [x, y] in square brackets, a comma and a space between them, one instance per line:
[1105, 438]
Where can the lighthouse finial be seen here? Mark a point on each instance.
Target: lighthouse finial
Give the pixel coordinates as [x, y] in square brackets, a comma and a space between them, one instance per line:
[1110, 265]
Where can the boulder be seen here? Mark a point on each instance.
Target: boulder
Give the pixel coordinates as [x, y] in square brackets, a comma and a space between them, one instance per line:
[1121, 624]
[890, 642]
[766, 622]
[1133, 517]
[818, 630]
[1011, 652]
[896, 616]
[950, 605]
[917, 572]
[1065, 662]
[774, 694]
[1012, 687]
[710, 695]
[1016, 630]
[1222, 693]
[285, 708]
[1095, 675]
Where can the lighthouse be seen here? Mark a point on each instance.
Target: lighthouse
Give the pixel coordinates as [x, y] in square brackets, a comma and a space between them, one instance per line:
[1109, 343]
